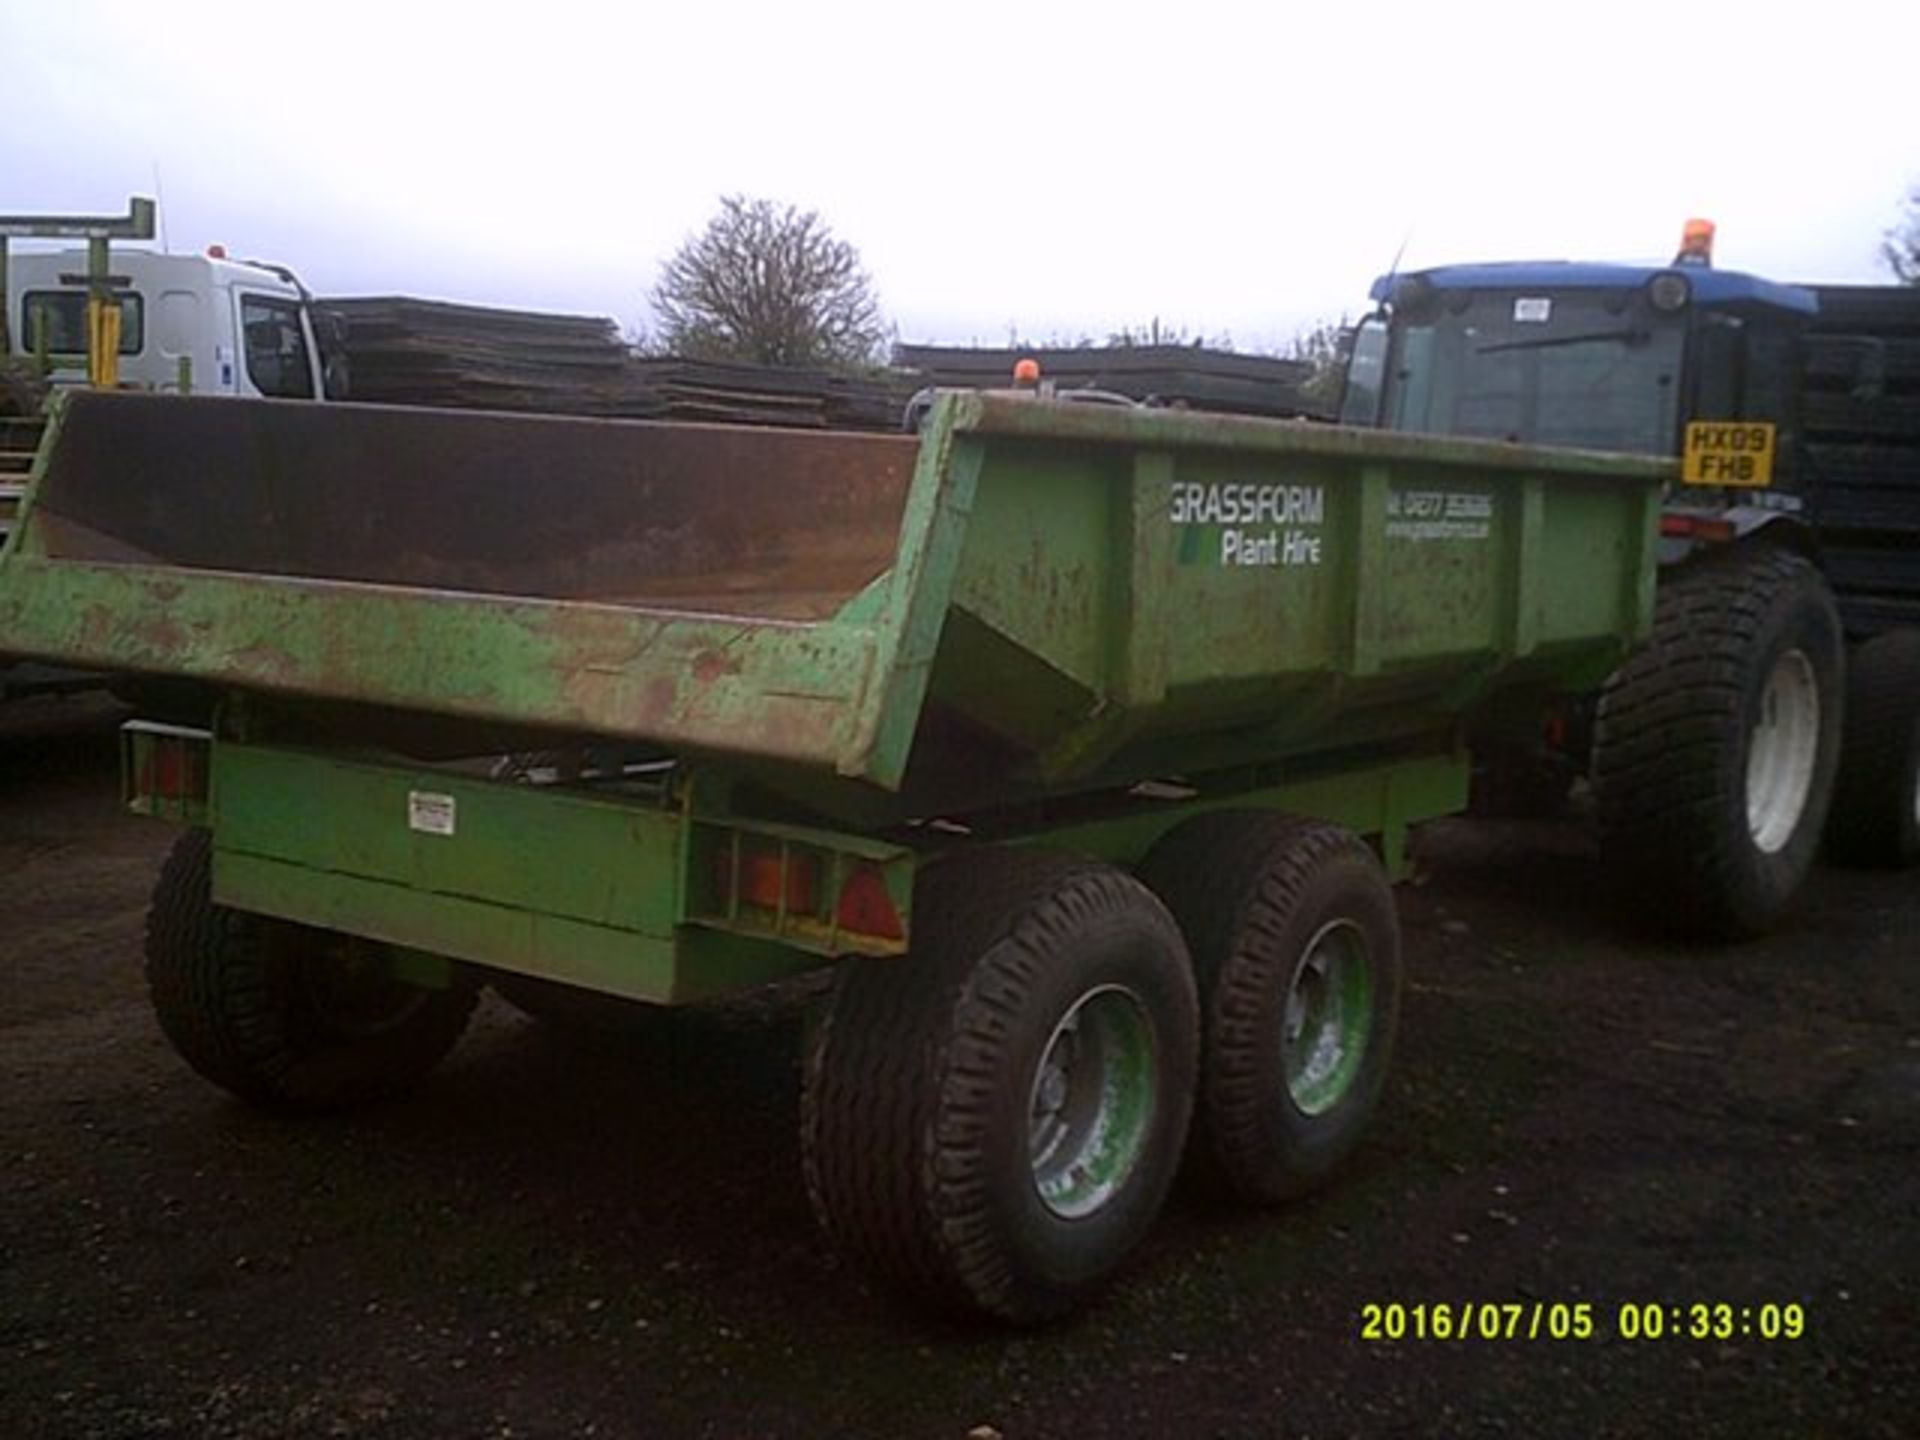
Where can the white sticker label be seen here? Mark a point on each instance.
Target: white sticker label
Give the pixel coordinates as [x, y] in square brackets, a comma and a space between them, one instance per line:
[1532, 310]
[429, 813]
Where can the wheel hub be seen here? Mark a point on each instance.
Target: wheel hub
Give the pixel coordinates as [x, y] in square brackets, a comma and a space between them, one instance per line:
[1091, 1104]
[1327, 1017]
[1781, 752]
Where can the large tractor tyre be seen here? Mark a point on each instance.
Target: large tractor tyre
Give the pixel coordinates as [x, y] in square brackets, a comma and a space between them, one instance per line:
[991, 1123]
[284, 1016]
[1296, 945]
[1716, 744]
[1876, 800]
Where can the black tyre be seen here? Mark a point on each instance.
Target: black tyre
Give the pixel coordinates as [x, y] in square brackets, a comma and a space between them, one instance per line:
[282, 1015]
[570, 1007]
[1716, 744]
[1296, 944]
[1876, 801]
[992, 1122]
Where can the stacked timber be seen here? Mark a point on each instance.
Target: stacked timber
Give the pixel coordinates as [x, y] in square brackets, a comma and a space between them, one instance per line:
[1860, 442]
[732, 393]
[1185, 375]
[405, 351]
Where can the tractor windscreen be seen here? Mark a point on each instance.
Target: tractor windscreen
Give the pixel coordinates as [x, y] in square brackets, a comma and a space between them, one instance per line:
[1589, 369]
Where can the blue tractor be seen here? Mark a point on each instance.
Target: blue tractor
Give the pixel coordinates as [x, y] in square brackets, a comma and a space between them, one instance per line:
[1778, 701]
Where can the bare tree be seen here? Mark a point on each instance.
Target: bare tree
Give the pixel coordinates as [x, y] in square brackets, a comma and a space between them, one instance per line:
[1900, 248]
[771, 284]
[1324, 346]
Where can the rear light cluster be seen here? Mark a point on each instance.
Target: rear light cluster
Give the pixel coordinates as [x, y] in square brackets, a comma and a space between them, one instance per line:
[790, 888]
[1708, 528]
[164, 770]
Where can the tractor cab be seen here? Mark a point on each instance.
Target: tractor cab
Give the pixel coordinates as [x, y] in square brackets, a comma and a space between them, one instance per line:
[1659, 360]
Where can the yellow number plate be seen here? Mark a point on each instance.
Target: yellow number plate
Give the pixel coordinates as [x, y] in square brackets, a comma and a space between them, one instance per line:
[1728, 452]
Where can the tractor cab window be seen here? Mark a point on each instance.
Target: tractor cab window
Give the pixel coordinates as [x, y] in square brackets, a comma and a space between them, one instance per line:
[1743, 368]
[56, 322]
[1591, 369]
[278, 361]
[1366, 372]
[1719, 352]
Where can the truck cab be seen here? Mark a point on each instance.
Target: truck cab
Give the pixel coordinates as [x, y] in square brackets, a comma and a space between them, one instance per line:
[200, 323]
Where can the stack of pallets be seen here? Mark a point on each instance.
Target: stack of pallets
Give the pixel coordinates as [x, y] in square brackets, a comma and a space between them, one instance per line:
[404, 351]
[1186, 375]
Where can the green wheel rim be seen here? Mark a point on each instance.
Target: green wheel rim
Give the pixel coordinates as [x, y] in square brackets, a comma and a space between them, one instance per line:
[1329, 1014]
[1092, 1101]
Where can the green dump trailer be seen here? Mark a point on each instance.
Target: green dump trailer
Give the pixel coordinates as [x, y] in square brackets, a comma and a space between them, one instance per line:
[1081, 742]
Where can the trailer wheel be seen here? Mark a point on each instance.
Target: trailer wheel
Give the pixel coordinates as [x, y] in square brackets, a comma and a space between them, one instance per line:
[1716, 744]
[1296, 945]
[992, 1122]
[1876, 801]
[282, 1015]
[572, 1007]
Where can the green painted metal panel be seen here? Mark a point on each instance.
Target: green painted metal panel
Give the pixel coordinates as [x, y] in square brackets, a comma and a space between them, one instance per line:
[771, 689]
[692, 964]
[597, 890]
[602, 862]
[1380, 798]
[1042, 595]
[464, 927]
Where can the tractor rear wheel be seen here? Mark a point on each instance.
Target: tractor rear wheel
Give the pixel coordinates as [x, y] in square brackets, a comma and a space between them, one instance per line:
[1876, 802]
[1716, 744]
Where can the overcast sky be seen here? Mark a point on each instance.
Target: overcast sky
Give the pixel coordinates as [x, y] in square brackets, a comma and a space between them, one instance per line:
[1064, 169]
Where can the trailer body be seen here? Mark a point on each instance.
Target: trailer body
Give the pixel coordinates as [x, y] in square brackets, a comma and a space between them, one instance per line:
[1053, 730]
[1004, 627]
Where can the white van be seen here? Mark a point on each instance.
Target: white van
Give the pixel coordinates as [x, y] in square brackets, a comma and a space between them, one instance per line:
[240, 327]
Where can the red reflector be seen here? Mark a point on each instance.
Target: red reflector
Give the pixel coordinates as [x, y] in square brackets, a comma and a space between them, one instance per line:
[1697, 527]
[172, 771]
[866, 908]
[169, 772]
[760, 880]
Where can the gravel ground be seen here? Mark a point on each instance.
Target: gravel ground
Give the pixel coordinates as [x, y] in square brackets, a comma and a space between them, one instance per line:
[610, 1238]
